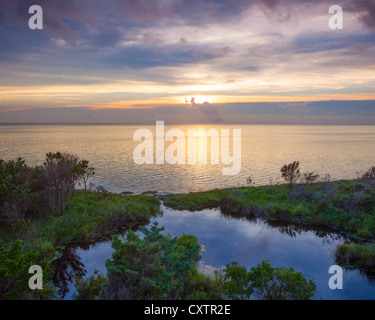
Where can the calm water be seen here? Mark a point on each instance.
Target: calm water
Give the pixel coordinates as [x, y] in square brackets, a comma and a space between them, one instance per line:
[226, 239]
[341, 151]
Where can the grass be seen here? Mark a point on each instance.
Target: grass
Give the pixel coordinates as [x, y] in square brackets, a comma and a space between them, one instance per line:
[356, 256]
[347, 206]
[87, 218]
[91, 217]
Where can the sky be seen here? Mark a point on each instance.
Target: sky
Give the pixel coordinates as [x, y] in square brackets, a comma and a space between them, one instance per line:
[187, 61]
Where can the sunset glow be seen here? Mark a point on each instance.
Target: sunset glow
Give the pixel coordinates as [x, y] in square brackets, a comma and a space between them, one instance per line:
[234, 55]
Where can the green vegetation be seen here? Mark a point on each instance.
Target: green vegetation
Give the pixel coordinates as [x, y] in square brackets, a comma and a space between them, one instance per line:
[14, 273]
[90, 288]
[345, 206]
[41, 213]
[92, 216]
[155, 267]
[265, 282]
[17, 189]
[162, 267]
[356, 256]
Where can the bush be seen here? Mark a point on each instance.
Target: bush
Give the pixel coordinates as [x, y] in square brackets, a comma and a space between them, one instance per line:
[291, 172]
[90, 288]
[15, 189]
[369, 176]
[61, 173]
[356, 256]
[14, 273]
[155, 267]
[266, 283]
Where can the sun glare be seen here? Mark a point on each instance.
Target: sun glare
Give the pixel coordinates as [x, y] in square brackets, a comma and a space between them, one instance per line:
[199, 99]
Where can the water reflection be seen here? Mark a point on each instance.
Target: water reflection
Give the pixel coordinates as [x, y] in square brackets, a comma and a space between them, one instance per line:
[66, 268]
[69, 265]
[293, 229]
[230, 237]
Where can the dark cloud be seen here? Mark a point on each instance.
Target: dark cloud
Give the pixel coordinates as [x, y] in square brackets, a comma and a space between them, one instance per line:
[207, 110]
[274, 11]
[366, 10]
[55, 14]
[59, 15]
[321, 112]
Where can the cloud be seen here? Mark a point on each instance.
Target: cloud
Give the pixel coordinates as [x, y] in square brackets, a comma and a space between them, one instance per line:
[366, 10]
[154, 42]
[163, 50]
[275, 12]
[55, 14]
[207, 110]
[323, 112]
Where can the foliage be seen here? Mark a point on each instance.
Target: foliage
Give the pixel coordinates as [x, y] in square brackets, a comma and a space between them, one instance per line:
[15, 189]
[265, 282]
[309, 177]
[237, 284]
[86, 173]
[349, 206]
[356, 256]
[61, 173]
[93, 215]
[291, 172]
[155, 267]
[204, 287]
[14, 273]
[274, 283]
[195, 201]
[369, 176]
[90, 288]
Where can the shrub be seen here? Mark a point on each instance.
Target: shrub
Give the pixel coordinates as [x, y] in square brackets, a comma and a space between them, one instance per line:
[356, 256]
[15, 190]
[291, 172]
[14, 273]
[155, 267]
[90, 288]
[273, 283]
[266, 283]
[61, 173]
[369, 175]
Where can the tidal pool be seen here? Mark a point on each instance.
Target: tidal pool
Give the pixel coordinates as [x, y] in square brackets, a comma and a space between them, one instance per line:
[226, 238]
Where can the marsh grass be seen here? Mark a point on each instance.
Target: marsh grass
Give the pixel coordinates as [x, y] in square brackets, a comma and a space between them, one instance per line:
[347, 206]
[356, 256]
[88, 217]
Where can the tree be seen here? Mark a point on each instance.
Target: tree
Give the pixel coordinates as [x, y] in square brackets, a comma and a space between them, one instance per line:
[15, 189]
[15, 262]
[90, 288]
[61, 173]
[265, 282]
[309, 177]
[237, 285]
[155, 267]
[369, 175]
[87, 173]
[273, 283]
[291, 172]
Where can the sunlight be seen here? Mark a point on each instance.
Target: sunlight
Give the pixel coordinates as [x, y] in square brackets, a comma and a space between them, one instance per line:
[199, 99]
